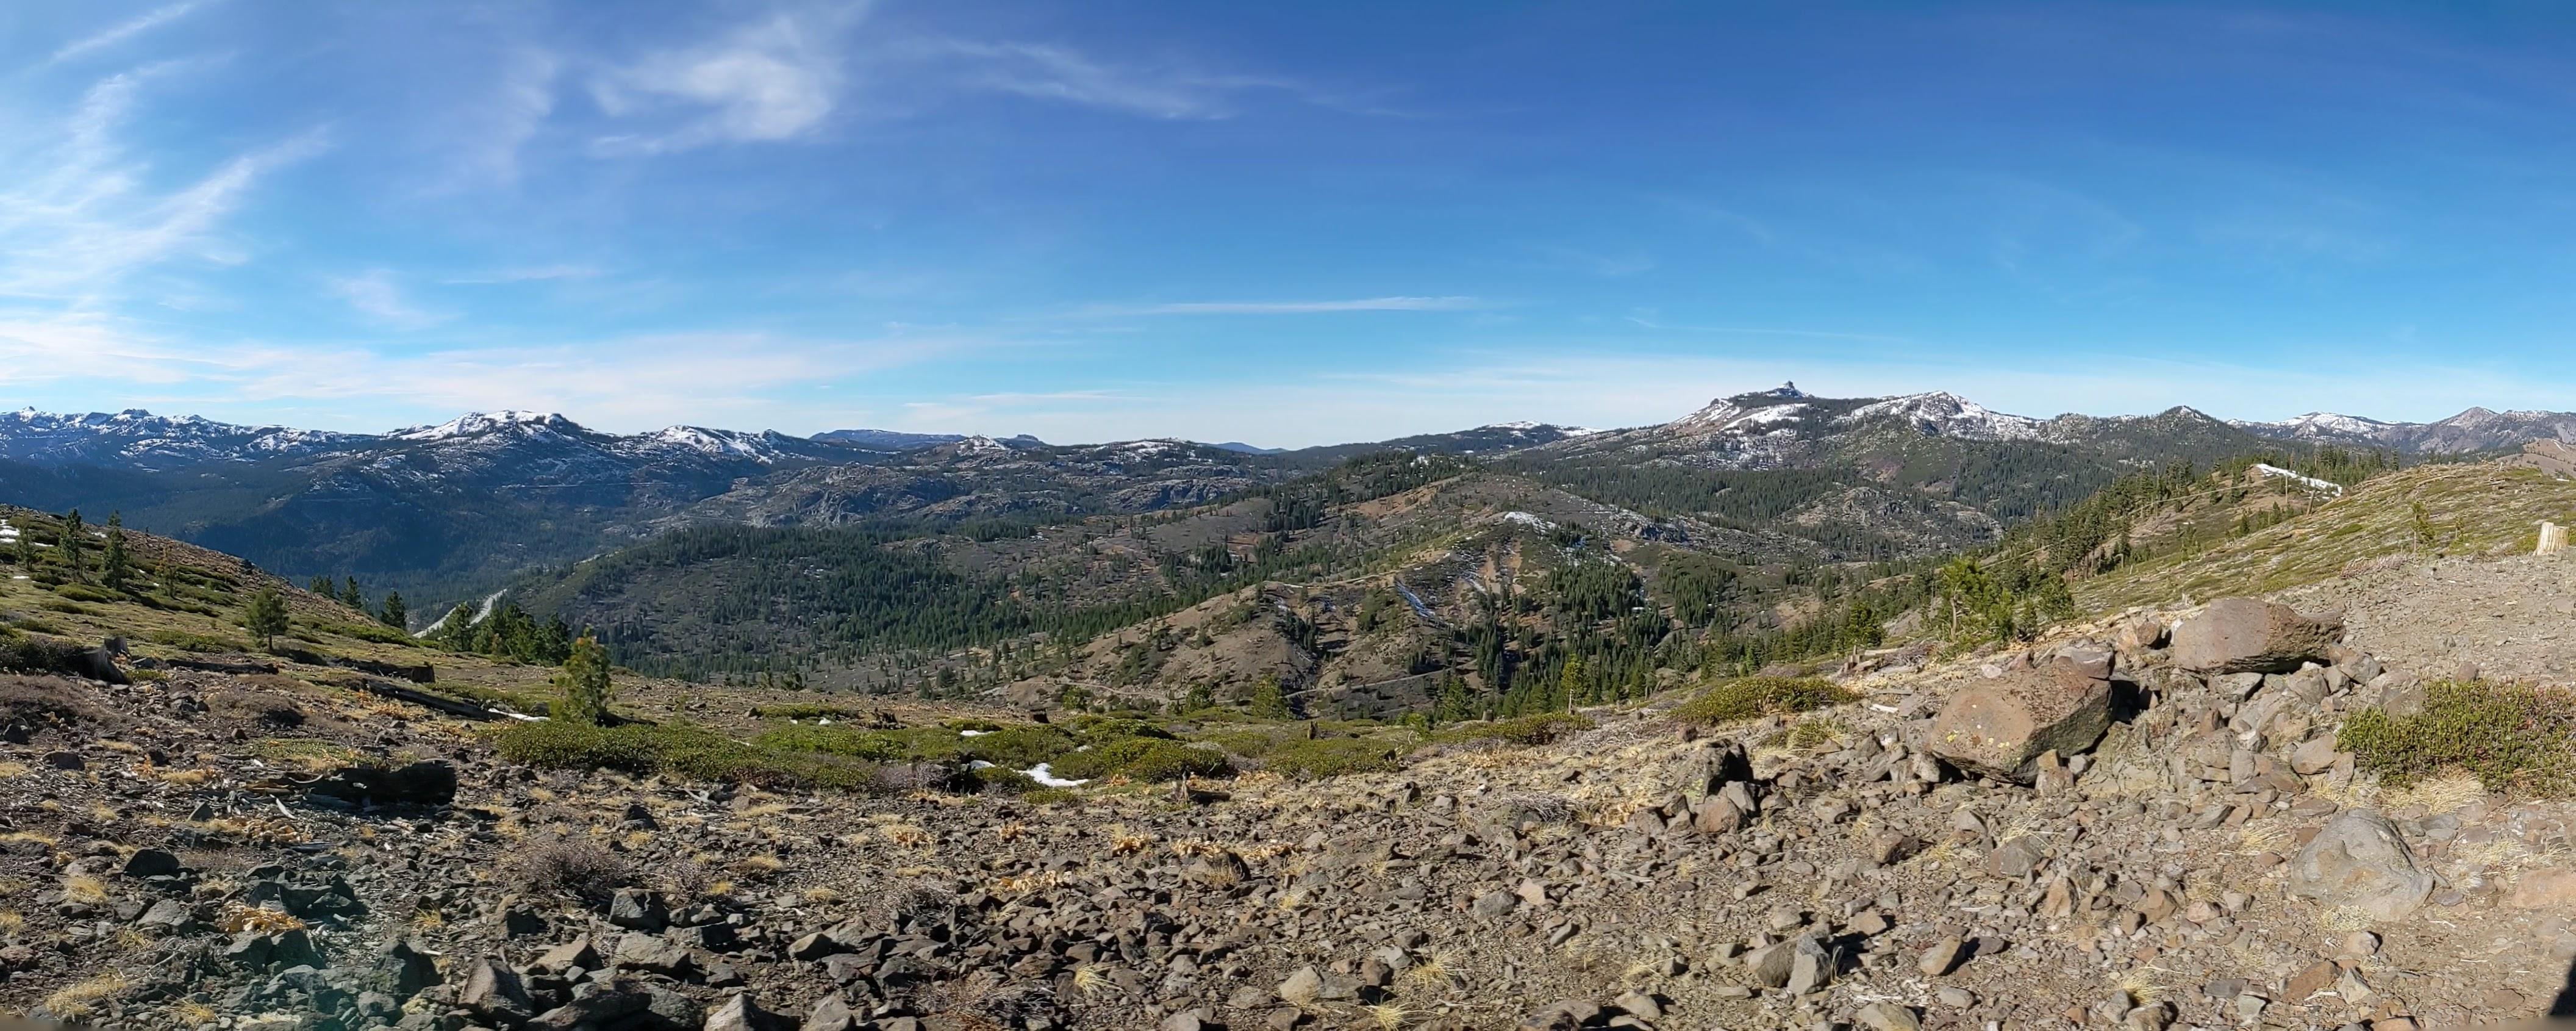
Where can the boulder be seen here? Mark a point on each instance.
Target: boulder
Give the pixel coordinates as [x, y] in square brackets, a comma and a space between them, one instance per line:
[2000, 727]
[2359, 862]
[493, 991]
[2249, 635]
[430, 782]
[740, 1013]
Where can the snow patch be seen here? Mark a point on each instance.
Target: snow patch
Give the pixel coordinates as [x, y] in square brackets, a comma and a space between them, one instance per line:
[2324, 486]
[1949, 415]
[1044, 774]
[475, 424]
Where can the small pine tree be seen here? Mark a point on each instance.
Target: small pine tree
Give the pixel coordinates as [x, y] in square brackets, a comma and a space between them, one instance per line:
[115, 566]
[324, 586]
[394, 614]
[350, 593]
[74, 535]
[265, 616]
[1269, 700]
[584, 684]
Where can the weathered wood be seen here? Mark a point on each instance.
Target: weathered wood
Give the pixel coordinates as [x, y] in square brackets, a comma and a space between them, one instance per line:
[424, 699]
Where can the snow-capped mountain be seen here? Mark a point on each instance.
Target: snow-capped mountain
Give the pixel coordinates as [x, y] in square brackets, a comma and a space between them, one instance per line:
[898, 440]
[140, 438]
[1945, 414]
[476, 424]
[2471, 431]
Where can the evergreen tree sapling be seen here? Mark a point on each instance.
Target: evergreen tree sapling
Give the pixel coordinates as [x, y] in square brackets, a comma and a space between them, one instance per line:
[1269, 700]
[584, 684]
[394, 614]
[72, 537]
[115, 566]
[265, 616]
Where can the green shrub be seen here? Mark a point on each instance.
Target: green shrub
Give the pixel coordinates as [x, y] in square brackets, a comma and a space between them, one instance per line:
[2515, 738]
[1747, 697]
[79, 592]
[67, 608]
[1314, 759]
[1536, 729]
[1001, 780]
[1019, 747]
[809, 711]
[1094, 730]
[376, 632]
[1249, 742]
[678, 750]
[189, 641]
[1150, 759]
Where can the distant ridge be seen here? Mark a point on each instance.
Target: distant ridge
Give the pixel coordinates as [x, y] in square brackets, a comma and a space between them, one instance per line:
[898, 440]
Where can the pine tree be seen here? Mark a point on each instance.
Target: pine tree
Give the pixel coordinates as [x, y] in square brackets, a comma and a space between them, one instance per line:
[325, 587]
[394, 614]
[1269, 700]
[350, 593]
[72, 537]
[115, 566]
[584, 684]
[265, 616]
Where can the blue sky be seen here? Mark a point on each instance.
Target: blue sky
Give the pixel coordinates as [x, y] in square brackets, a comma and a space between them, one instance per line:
[1282, 223]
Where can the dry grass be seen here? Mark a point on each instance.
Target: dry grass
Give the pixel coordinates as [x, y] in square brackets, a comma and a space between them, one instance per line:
[237, 918]
[1122, 843]
[1389, 1016]
[84, 888]
[758, 866]
[12, 769]
[80, 1000]
[185, 778]
[905, 835]
[12, 921]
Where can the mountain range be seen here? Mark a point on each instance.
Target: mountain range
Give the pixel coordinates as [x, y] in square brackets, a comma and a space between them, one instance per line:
[453, 510]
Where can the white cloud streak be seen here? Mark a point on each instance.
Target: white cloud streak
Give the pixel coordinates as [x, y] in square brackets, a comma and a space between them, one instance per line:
[126, 30]
[77, 217]
[1290, 307]
[1054, 72]
[772, 80]
[377, 296]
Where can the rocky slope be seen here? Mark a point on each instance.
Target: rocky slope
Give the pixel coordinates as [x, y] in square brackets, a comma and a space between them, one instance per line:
[215, 845]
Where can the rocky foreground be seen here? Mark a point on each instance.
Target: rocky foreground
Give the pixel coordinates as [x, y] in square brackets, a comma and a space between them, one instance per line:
[2146, 826]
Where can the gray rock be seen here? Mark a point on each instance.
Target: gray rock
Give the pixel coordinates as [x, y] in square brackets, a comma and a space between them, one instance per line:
[1495, 905]
[1811, 968]
[653, 955]
[493, 991]
[575, 953]
[1887, 1016]
[740, 1013]
[1942, 956]
[2001, 727]
[1770, 965]
[2248, 635]
[152, 862]
[637, 909]
[830, 1014]
[2360, 862]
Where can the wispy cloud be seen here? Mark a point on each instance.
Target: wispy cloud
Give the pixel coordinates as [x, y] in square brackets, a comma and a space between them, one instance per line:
[1056, 72]
[125, 30]
[76, 217]
[1290, 307]
[522, 97]
[534, 274]
[375, 294]
[771, 80]
[1814, 334]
